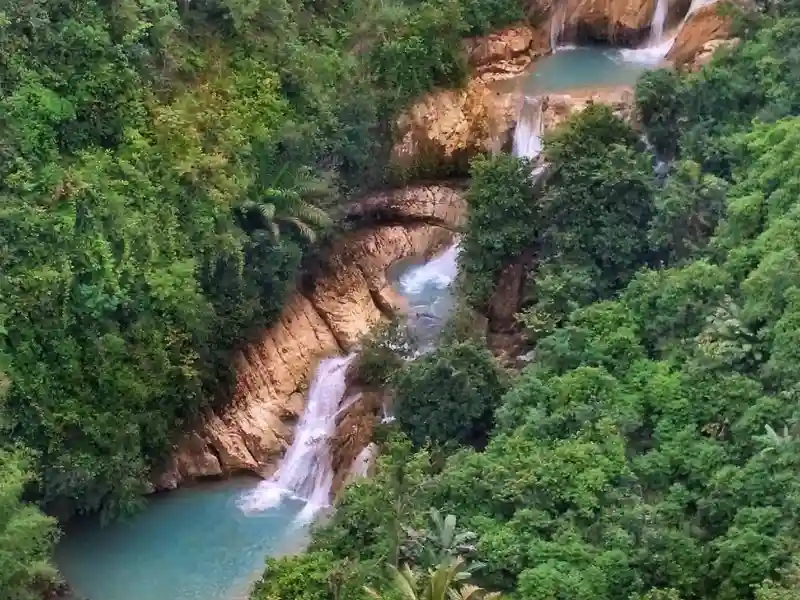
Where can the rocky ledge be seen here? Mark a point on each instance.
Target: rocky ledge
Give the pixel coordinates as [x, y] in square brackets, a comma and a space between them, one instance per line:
[618, 22]
[351, 294]
[706, 30]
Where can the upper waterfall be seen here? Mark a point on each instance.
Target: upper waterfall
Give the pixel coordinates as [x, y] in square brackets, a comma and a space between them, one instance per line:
[557, 26]
[658, 45]
[658, 23]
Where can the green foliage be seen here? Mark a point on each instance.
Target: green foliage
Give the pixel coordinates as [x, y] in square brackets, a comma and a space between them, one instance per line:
[315, 575]
[441, 583]
[687, 211]
[27, 537]
[164, 169]
[449, 395]
[658, 97]
[651, 449]
[422, 51]
[383, 353]
[580, 233]
[485, 16]
[503, 222]
[599, 198]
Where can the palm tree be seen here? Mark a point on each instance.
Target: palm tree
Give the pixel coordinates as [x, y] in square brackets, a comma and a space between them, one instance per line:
[449, 542]
[287, 204]
[443, 541]
[774, 441]
[440, 584]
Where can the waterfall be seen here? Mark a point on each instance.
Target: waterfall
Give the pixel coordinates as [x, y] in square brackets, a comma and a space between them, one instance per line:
[658, 22]
[528, 132]
[657, 48]
[557, 27]
[306, 472]
[438, 272]
[425, 287]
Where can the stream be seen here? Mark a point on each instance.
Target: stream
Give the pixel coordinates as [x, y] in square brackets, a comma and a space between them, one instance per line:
[209, 541]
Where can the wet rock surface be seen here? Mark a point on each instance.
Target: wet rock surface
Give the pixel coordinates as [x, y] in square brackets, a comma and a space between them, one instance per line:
[350, 296]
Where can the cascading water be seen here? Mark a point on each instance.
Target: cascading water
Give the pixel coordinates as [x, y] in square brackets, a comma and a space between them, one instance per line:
[658, 22]
[306, 472]
[657, 47]
[528, 132]
[425, 287]
[557, 27]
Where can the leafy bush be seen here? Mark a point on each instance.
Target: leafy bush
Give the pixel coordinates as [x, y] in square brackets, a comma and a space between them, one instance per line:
[503, 221]
[485, 16]
[383, 353]
[449, 395]
[27, 537]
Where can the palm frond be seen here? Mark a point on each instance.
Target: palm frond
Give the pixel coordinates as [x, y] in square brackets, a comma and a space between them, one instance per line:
[281, 196]
[405, 581]
[314, 184]
[307, 232]
[267, 211]
[309, 213]
[372, 593]
[448, 531]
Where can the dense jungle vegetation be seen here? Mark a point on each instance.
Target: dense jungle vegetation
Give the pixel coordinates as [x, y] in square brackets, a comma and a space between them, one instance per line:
[165, 168]
[650, 449]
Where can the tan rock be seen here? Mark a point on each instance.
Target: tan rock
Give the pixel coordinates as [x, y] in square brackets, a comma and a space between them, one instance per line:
[354, 432]
[506, 53]
[707, 51]
[435, 204]
[451, 126]
[701, 27]
[558, 107]
[351, 295]
[624, 22]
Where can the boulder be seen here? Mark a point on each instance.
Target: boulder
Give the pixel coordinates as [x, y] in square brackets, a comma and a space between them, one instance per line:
[506, 53]
[558, 107]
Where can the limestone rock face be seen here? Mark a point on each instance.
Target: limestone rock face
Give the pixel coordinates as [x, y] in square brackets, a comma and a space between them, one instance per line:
[359, 295]
[436, 204]
[558, 107]
[506, 53]
[706, 52]
[350, 295]
[694, 46]
[623, 22]
[451, 126]
[354, 432]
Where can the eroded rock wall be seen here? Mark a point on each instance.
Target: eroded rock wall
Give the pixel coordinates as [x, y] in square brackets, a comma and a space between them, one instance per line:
[705, 30]
[350, 295]
[618, 22]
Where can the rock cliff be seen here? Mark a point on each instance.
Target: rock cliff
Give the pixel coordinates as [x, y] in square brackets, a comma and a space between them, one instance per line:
[451, 126]
[704, 31]
[558, 107]
[619, 22]
[350, 295]
[506, 53]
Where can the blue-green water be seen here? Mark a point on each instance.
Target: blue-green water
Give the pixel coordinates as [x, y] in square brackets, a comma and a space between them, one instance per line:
[581, 67]
[190, 544]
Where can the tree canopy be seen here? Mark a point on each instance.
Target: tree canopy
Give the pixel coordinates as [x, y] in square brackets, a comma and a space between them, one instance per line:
[650, 449]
